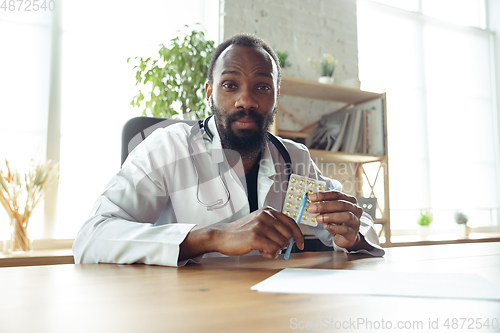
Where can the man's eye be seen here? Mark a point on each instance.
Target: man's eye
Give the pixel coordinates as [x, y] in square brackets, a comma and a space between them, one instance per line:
[229, 85]
[265, 88]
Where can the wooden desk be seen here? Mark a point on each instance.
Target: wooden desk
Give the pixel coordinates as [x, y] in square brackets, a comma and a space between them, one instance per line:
[38, 257]
[215, 296]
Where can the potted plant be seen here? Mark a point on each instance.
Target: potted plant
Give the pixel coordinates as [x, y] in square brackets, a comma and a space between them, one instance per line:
[461, 219]
[424, 222]
[174, 84]
[326, 66]
[283, 58]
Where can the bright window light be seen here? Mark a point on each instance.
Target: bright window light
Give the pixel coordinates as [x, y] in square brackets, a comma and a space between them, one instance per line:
[441, 125]
[97, 86]
[462, 12]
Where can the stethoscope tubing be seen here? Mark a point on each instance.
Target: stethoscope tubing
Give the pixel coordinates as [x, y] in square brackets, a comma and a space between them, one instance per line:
[219, 203]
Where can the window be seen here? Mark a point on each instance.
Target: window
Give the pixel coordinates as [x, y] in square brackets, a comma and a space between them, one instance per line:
[433, 58]
[92, 41]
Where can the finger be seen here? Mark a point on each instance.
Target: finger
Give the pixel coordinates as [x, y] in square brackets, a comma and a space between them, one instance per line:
[276, 234]
[340, 218]
[332, 195]
[289, 225]
[323, 207]
[343, 230]
[269, 232]
[285, 225]
[275, 228]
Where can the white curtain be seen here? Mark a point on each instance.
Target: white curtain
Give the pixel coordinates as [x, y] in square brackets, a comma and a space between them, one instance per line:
[97, 87]
[433, 58]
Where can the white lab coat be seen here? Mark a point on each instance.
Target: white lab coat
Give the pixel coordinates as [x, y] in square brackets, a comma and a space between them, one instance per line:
[151, 205]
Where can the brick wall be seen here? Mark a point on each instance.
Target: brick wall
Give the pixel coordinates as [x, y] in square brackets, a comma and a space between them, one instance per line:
[304, 28]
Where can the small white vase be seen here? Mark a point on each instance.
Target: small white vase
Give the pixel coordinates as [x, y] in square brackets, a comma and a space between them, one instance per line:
[424, 231]
[463, 231]
[326, 79]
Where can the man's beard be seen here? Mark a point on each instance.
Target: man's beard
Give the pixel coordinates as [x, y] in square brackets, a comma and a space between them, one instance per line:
[249, 143]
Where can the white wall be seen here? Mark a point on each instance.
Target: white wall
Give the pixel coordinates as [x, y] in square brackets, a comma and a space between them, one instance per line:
[304, 28]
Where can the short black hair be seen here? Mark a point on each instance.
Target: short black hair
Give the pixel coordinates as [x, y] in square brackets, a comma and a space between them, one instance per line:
[246, 40]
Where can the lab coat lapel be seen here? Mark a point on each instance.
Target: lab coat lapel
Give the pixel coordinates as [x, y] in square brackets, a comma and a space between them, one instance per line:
[239, 198]
[268, 194]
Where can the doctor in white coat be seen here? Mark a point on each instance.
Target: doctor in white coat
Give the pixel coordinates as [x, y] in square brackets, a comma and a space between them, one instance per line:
[188, 191]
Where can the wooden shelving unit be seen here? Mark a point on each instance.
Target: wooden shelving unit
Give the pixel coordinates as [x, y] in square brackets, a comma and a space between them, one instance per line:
[348, 96]
[328, 156]
[325, 92]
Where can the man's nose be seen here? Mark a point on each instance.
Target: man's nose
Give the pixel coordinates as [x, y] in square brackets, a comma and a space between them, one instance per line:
[246, 100]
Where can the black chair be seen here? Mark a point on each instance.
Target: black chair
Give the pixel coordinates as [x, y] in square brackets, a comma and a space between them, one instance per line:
[139, 128]
[369, 205]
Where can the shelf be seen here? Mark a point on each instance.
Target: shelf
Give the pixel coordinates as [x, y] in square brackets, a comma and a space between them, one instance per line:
[326, 92]
[434, 239]
[319, 156]
[350, 97]
[292, 134]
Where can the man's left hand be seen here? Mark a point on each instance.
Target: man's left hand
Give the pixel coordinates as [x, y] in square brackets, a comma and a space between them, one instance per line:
[339, 214]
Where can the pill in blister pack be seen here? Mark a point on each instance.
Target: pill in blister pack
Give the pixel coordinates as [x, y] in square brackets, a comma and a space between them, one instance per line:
[297, 187]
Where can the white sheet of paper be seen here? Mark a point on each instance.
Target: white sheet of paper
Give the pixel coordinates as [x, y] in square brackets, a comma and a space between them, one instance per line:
[379, 283]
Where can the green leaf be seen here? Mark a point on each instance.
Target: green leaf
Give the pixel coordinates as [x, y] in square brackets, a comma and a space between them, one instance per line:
[177, 78]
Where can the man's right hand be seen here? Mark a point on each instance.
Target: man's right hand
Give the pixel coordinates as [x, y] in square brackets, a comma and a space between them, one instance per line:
[265, 230]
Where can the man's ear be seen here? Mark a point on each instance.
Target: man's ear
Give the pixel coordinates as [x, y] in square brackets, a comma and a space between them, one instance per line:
[208, 90]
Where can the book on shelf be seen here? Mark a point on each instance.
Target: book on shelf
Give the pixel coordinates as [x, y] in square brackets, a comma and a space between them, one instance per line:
[360, 145]
[358, 130]
[375, 127]
[353, 134]
[366, 137]
[343, 131]
[330, 131]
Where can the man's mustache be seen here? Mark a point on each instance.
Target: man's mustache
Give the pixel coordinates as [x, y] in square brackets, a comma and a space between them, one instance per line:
[242, 113]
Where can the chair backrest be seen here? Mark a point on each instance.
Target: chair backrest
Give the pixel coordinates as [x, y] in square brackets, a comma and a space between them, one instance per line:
[369, 205]
[139, 128]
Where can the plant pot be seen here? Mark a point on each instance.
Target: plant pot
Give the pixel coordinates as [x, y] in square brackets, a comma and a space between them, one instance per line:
[424, 231]
[463, 231]
[326, 79]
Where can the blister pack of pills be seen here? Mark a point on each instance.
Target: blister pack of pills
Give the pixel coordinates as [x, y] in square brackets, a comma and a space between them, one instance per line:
[297, 187]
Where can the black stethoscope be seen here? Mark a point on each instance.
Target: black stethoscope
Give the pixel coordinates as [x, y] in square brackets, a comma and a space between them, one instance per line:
[203, 124]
